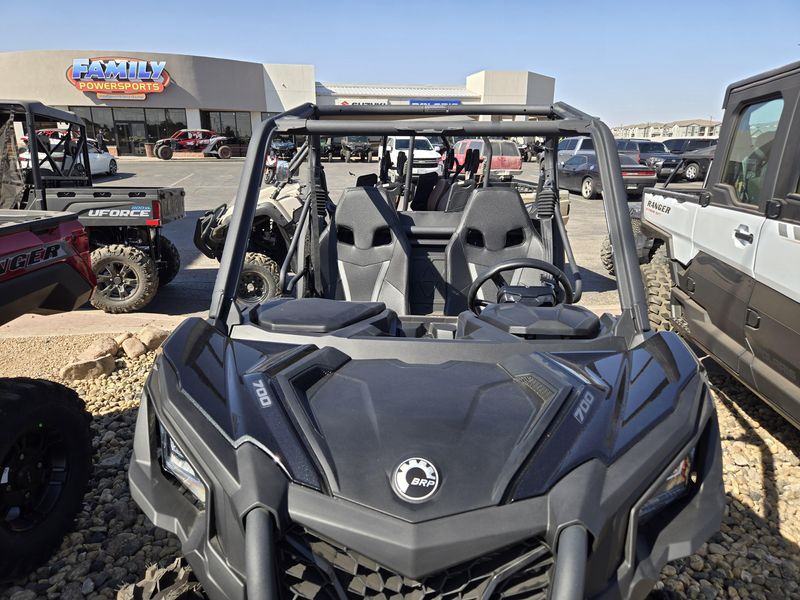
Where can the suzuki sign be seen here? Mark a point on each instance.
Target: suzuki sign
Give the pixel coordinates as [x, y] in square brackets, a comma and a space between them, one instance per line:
[119, 78]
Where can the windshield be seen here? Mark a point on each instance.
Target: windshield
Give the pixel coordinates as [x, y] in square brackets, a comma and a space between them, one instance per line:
[419, 144]
[652, 147]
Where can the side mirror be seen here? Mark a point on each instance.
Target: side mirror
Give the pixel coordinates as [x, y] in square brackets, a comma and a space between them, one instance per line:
[282, 171]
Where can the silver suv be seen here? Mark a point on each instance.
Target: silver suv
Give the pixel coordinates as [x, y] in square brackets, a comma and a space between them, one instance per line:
[569, 147]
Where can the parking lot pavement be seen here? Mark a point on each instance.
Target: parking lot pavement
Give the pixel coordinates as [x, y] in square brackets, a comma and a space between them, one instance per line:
[209, 183]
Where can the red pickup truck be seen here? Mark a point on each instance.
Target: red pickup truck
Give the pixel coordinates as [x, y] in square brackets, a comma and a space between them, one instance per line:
[45, 439]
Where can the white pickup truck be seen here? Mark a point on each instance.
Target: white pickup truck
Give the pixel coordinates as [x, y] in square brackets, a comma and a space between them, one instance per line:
[426, 158]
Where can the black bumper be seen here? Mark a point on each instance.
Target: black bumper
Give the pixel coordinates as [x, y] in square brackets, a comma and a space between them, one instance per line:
[243, 480]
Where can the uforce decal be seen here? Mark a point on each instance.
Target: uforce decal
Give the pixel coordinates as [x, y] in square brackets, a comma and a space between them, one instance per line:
[658, 206]
[584, 406]
[30, 258]
[262, 393]
[133, 211]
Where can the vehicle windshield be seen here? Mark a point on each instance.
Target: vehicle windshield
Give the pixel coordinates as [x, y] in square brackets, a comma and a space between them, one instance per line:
[419, 144]
[628, 161]
[652, 147]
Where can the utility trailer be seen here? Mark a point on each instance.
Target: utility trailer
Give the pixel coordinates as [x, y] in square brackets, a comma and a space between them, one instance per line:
[130, 255]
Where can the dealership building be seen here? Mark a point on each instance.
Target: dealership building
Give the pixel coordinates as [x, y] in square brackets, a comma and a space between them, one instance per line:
[138, 97]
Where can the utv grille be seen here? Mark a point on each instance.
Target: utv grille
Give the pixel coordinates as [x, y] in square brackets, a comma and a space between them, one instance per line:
[317, 569]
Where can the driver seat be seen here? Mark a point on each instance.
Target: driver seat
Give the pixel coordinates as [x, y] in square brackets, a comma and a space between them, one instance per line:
[494, 227]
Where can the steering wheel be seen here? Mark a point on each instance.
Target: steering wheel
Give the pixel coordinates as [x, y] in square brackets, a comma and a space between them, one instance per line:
[494, 273]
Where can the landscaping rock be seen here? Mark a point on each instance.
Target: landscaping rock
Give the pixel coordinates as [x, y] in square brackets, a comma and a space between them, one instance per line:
[133, 347]
[99, 348]
[152, 337]
[85, 369]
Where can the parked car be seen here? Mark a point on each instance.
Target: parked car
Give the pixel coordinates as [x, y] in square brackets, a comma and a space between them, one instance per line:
[696, 164]
[581, 174]
[683, 145]
[100, 161]
[569, 147]
[426, 158]
[506, 159]
[652, 154]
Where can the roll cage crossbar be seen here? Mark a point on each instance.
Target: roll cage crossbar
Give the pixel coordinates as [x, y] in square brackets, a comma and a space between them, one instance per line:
[557, 120]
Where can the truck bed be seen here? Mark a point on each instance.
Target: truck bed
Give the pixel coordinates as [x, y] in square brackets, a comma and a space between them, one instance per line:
[115, 205]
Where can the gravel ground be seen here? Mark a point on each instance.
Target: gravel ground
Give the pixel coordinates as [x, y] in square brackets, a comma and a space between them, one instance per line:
[755, 555]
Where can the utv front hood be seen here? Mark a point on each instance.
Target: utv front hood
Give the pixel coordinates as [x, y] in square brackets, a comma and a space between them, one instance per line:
[473, 422]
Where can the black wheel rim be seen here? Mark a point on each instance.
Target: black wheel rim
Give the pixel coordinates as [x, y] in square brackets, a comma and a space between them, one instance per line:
[116, 280]
[113, 167]
[253, 288]
[33, 474]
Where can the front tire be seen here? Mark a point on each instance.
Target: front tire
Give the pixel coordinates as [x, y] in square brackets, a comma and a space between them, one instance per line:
[127, 279]
[112, 167]
[607, 255]
[259, 279]
[45, 462]
[658, 285]
[170, 261]
[587, 188]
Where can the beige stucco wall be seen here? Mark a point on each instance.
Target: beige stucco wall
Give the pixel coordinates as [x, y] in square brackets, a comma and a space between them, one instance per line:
[512, 87]
[197, 82]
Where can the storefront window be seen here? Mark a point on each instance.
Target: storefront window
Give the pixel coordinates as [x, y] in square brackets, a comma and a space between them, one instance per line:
[129, 114]
[236, 125]
[138, 125]
[85, 113]
[103, 120]
[176, 118]
[154, 121]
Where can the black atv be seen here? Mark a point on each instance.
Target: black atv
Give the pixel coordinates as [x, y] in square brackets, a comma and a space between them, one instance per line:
[428, 412]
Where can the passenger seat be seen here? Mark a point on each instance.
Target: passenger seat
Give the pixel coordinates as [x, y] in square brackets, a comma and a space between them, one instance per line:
[364, 252]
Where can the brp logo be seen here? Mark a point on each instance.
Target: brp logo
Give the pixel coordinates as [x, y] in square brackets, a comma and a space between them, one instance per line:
[415, 480]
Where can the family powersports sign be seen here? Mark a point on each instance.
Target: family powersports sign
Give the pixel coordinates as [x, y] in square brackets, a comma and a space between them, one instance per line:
[119, 78]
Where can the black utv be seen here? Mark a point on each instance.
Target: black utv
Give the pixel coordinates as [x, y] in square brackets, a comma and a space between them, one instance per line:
[428, 412]
[357, 146]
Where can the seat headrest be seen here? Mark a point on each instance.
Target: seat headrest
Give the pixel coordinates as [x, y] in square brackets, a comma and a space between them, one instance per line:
[364, 217]
[495, 218]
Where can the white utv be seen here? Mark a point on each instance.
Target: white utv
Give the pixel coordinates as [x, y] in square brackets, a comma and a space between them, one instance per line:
[731, 283]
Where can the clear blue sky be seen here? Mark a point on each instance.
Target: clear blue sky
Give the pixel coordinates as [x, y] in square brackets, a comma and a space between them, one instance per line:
[624, 61]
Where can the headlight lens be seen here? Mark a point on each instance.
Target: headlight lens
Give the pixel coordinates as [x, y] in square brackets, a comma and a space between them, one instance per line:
[174, 462]
[676, 484]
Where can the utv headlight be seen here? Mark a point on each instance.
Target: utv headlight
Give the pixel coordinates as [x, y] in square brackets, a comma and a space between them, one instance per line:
[675, 486]
[174, 462]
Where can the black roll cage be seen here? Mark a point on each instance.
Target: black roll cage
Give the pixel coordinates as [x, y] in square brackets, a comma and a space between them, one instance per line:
[554, 121]
[43, 154]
